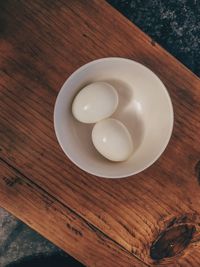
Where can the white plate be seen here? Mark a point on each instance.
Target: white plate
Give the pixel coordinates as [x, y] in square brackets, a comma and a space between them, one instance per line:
[144, 107]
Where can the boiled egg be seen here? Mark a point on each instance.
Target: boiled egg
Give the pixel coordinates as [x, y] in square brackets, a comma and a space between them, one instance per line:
[95, 102]
[112, 139]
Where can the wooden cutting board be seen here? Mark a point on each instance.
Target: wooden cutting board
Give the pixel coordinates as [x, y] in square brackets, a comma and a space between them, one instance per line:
[152, 218]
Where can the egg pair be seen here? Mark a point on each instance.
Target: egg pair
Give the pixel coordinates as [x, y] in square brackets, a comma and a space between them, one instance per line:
[95, 103]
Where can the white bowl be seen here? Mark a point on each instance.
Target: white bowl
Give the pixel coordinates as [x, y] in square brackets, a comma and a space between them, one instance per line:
[144, 107]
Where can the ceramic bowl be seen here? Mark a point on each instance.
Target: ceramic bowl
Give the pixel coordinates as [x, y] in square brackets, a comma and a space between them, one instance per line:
[144, 108]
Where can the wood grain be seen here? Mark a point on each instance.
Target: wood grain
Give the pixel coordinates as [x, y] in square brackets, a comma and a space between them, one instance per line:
[59, 223]
[41, 45]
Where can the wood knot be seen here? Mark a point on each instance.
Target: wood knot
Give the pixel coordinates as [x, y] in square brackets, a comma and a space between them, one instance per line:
[12, 181]
[172, 241]
[197, 171]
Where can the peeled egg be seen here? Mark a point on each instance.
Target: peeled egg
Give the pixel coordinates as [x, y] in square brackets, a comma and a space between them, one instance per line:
[95, 102]
[112, 140]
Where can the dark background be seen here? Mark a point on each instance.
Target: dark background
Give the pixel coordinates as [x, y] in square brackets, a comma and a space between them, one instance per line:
[174, 24]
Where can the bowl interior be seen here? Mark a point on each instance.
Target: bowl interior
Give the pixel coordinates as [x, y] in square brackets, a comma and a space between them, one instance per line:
[144, 107]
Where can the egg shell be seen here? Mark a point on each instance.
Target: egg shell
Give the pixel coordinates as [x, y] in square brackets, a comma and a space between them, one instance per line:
[95, 102]
[112, 139]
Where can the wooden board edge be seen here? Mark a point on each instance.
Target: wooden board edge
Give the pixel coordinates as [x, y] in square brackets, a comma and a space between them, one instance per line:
[53, 220]
[148, 39]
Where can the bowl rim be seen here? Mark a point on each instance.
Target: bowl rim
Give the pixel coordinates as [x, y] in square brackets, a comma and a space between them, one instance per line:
[164, 145]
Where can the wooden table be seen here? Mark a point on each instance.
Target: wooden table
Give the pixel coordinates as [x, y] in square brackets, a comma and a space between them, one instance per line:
[149, 219]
